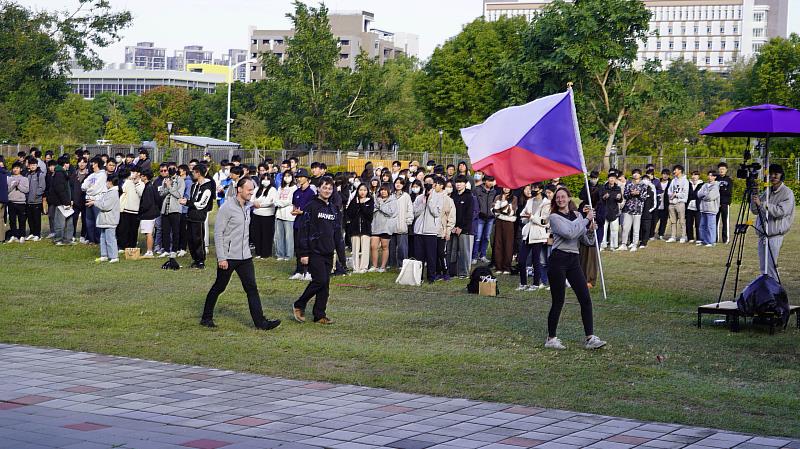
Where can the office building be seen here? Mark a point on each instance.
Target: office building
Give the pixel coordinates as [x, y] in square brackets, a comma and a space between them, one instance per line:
[124, 79]
[714, 34]
[355, 32]
[191, 54]
[146, 56]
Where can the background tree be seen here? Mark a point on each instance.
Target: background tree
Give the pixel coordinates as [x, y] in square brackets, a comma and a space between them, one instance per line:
[77, 122]
[36, 47]
[154, 108]
[776, 73]
[118, 131]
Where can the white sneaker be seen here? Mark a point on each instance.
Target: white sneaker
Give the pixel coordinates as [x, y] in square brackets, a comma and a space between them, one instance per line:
[710, 245]
[121, 251]
[30, 237]
[622, 247]
[163, 254]
[522, 288]
[296, 277]
[307, 277]
[51, 235]
[60, 243]
[534, 288]
[101, 259]
[115, 260]
[474, 261]
[36, 239]
[671, 240]
[682, 240]
[83, 241]
[182, 253]
[11, 240]
[593, 343]
[381, 270]
[632, 249]
[642, 247]
[568, 285]
[372, 270]
[554, 343]
[691, 241]
[21, 240]
[485, 260]
[602, 248]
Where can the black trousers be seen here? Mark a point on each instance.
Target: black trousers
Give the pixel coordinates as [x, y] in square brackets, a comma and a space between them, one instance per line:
[128, 230]
[262, 234]
[197, 246]
[171, 232]
[561, 267]
[692, 224]
[723, 215]
[34, 213]
[426, 251]
[441, 257]
[320, 269]
[80, 214]
[16, 219]
[183, 240]
[646, 230]
[662, 217]
[247, 274]
[299, 268]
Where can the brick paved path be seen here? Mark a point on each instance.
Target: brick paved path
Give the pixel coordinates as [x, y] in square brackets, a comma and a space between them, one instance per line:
[63, 399]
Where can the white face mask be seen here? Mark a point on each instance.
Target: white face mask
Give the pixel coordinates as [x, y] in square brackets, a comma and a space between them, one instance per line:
[226, 172]
[448, 190]
[412, 169]
[478, 177]
[356, 183]
[118, 159]
[288, 179]
[351, 180]
[415, 189]
[265, 182]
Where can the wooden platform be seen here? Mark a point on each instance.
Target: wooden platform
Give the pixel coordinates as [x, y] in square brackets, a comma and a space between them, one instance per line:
[732, 314]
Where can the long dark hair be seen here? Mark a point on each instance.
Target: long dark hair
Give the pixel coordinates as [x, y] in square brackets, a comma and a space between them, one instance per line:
[261, 189]
[571, 204]
[283, 179]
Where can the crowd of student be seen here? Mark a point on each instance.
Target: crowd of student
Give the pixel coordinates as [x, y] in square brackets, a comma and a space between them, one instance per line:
[446, 217]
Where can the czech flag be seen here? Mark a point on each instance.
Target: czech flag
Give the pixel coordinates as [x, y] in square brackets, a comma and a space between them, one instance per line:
[524, 144]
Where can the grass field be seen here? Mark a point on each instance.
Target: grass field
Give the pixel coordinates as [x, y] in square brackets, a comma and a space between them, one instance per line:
[437, 339]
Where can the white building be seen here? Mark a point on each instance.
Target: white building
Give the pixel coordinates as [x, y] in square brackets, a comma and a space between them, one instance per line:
[712, 33]
[125, 79]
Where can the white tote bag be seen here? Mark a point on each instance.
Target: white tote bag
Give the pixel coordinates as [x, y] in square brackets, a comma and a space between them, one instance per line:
[411, 273]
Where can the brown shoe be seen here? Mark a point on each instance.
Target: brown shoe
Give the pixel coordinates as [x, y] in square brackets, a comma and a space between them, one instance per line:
[324, 320]
[298, 314]
[589, 284]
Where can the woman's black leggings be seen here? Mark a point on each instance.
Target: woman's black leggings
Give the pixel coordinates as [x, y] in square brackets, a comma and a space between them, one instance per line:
[565, 266]
[171, 227]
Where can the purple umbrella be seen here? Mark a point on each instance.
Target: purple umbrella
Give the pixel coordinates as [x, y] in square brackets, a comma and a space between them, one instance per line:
[764, 120]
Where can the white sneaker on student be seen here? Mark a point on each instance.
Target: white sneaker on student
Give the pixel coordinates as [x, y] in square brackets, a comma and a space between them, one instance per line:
[307, 277]
[11, 240]
[522, 288]
[148, 255]
[163, 254]
[534, 288]
[710, 245]
[36, 238]
[83, 241]
[30, 237]
[485, 259]
[113, 260]
[21, 240]
[691, 241]
[296, 277]
[101, 259]
[372, 270]
[699, 243]
[622, 247]
[182, 253]
[632, 249]
[554, 343]
[474, 261]
[671, 240]
[51, 235]
[381, 270]
[593, 343]
[683, 240]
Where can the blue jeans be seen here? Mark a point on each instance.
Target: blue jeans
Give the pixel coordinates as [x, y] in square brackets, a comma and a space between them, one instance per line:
[284, 239]
[544, 258]
[108, 243]
[92, 233]
[398, 250]
[531, 251]
[708, 228]
[483, 230]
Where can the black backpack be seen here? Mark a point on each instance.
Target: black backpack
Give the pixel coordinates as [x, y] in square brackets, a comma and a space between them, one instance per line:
[475, 278]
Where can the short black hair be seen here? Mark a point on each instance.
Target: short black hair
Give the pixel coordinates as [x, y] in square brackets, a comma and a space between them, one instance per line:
[461, 178]
[396, 163]
[144, 151]
[488, 178]
[314, 165]
[636, 170]
[438, 180]
[712, 173]
[777, 169]
[238, 170]
[665, 171]
[327, 180]
[236, 158]
[323, 166]
[722, 164]
[678, 167]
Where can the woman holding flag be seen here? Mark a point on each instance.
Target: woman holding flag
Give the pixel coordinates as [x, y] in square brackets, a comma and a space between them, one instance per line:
[570, 229]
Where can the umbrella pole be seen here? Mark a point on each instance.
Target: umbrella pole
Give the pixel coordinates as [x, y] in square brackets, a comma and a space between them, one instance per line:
[596, 241]
[766, 209]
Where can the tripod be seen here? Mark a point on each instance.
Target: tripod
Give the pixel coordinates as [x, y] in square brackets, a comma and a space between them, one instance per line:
[739, 234]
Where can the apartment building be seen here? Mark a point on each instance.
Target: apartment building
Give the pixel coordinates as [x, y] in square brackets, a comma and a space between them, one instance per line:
[146, 56]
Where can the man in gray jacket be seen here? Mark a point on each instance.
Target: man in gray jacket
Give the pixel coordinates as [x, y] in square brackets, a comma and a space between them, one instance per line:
[232, 242]
[678, 195]
[708, 204]
[33, 201]
[778, 211]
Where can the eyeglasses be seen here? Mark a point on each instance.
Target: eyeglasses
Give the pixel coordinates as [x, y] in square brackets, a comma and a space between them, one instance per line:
[163, 171]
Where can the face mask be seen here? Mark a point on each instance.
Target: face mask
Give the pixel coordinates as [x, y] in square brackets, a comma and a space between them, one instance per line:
[448, 190]
[415, 190]
[351, 180]
[356, 183]
[226, 172]
[288, 179]
[412, 169]
[119, 159]
[402, 176]
[265, 182]
[478, 177]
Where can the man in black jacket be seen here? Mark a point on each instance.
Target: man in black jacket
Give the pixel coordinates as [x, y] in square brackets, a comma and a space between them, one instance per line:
[459, 243]
[485, 194]
[60, 197]
[725, 193]
[199, 203]
[319, 235]
[148, 211]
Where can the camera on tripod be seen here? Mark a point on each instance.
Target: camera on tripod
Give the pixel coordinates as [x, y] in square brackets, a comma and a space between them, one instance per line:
[748, 171]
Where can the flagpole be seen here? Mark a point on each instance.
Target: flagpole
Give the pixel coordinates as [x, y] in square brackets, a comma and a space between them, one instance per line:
[588, 190]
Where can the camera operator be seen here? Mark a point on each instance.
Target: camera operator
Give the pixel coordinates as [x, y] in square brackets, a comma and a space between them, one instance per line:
[779, 213]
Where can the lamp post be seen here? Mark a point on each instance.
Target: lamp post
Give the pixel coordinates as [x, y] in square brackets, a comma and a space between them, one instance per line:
[685, 155]
[613, 155]
[169, 134]
[441, 135]
[228, 120]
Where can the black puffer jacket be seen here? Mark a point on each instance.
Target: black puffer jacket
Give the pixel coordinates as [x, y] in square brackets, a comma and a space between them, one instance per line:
[359, 217]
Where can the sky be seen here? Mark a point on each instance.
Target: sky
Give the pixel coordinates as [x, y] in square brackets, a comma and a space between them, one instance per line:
[222, 24]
